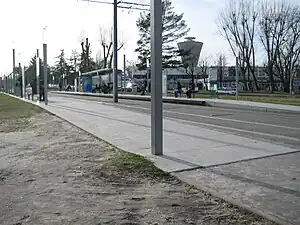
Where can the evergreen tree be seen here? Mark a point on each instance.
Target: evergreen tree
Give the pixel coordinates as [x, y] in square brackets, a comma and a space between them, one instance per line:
[173, 28]
[61, 63]
[30, 73]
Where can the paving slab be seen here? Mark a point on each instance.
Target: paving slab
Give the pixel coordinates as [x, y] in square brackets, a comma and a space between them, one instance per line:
[269, 186]
[185, 146]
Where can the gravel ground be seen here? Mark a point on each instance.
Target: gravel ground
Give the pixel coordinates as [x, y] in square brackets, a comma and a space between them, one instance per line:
[53, 173]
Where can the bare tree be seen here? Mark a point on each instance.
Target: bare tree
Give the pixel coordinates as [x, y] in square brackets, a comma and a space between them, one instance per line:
[221, 63]
[130, 68]
[289, 49]
[106, 41]
[82, 36]
[237, 24]
[204, 64]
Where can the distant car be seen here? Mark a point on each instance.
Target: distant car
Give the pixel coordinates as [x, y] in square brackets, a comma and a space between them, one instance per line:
[226, 91]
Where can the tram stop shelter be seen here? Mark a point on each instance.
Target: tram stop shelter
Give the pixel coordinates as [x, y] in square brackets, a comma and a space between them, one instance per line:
[89, 80]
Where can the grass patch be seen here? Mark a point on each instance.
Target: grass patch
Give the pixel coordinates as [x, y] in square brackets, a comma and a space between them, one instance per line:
[274, 100]
[15, 113]
[135, 164]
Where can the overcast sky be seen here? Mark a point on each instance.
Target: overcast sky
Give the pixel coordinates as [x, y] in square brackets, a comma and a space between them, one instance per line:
[22, 23]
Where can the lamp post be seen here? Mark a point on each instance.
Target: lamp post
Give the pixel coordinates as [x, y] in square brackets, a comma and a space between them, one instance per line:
[37, 76]
[45, 67]
[236, 78]
[13, 82]
[45, 74]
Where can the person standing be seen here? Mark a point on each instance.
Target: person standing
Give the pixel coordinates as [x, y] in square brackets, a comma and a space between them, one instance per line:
[144, 88]
[179, 88]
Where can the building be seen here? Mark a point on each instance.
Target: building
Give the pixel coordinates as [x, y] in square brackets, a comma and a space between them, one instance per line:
[226, 77]
[173, 75]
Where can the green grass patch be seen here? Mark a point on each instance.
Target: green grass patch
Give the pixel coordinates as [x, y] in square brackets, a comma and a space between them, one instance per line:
[135, 164]
[15, 113]
[11, 108]
[274, 100]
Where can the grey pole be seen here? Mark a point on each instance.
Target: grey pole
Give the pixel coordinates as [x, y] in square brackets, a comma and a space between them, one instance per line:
[20, 74]
[23, 82]
[45, 74]
[148, 75]
[236, 78]
[4, 83]
[37, 75]
[115, 53]
[124, 64]
[156, 75]
[13, 74]
[291, 84]
[10, 83]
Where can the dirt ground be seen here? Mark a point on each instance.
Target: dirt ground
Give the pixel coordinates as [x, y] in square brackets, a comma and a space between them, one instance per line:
[53, 173]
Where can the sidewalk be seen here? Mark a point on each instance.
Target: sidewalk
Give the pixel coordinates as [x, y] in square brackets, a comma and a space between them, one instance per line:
[185, 146]
[247, 105]
[220, 160]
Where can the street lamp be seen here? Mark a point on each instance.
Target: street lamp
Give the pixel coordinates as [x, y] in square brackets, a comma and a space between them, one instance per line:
[45, 67]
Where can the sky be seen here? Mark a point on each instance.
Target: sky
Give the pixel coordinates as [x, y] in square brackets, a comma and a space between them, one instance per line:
[22, 23]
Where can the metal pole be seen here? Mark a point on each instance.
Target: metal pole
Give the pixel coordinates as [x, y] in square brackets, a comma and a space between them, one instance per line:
[236, 78]
[5, 84]
[115, 53]
[23, 82]
[37, 75]
[20, 74]
[10, 83]
[124, 72]
[156, 77]
[148, 74]
[291, 84]
[45, 74]
[13, 74]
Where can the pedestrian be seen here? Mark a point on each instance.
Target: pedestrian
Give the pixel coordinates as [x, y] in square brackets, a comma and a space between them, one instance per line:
[42, 91]
[144, 87]
[179, 88]
[60, 86]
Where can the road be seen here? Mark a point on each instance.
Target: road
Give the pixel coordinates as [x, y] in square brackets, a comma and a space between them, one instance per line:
[274, 127]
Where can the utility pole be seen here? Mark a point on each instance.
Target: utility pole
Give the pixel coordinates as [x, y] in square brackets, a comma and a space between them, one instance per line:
[45, 74]
[13, 73]
[129, 6]
[37, 75]
[20, 73]
[115, 53]
[236, 77]
[291, 84]
[23, 82]
[124, 76]
[5, 84]
[156, 77]
[148, 74]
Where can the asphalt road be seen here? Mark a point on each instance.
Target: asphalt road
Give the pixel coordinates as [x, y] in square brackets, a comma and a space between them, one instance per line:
[279, 128]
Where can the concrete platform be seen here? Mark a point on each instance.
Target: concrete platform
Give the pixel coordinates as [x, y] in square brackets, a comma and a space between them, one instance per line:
[185, 146]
